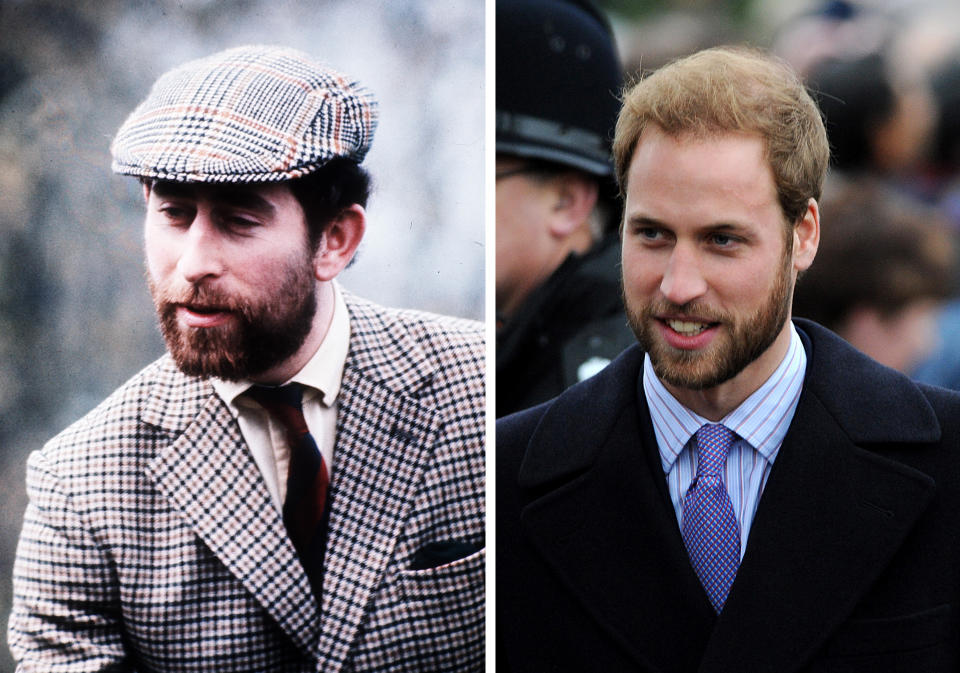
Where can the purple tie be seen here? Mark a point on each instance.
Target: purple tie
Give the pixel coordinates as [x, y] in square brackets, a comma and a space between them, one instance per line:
[710, 529]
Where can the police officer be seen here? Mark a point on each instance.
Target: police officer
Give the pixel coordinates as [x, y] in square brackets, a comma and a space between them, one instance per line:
[559, 314]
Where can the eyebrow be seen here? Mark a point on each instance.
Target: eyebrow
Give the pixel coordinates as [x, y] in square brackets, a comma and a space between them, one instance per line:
[645, 221]
[229, 195]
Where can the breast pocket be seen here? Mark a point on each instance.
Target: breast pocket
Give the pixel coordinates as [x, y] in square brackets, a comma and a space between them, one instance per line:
[920, 641]
[446, 611]
[428, 620]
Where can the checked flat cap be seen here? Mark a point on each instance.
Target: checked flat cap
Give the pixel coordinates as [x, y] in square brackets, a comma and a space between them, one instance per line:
[248, 114]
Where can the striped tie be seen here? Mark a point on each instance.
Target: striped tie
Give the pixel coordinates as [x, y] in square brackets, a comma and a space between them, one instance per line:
[710, 529]
[305, 510]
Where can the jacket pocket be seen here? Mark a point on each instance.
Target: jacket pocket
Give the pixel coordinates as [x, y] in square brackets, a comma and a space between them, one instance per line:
[890, 635]
[426, 621]
[445, 607]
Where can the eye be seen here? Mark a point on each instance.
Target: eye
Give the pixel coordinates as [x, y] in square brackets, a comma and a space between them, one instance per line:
[175, 212]
[649, 234]
[240, 222]
[722, 240]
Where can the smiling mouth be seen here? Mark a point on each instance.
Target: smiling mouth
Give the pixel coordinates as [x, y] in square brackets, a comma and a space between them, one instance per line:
[688, 327]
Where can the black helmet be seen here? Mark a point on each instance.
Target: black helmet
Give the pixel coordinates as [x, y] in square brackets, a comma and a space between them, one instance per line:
[558, 82]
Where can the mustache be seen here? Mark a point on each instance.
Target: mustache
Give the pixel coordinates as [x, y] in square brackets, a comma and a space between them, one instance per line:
[693, 309]
[198, 297]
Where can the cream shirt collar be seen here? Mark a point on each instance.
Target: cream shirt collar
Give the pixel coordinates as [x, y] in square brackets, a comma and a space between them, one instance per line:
[323, 372]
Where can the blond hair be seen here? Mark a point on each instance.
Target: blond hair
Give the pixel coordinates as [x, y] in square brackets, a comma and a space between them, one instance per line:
[733, 89]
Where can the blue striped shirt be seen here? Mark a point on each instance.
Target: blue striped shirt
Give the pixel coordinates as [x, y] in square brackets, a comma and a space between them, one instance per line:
[760, 423]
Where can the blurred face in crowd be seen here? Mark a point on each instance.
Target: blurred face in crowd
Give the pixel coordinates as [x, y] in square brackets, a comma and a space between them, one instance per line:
[231, 274]
[708, 264]
[543, 215]
[522, 254]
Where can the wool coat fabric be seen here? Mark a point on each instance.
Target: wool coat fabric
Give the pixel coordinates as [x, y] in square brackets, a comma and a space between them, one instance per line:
[853, 560]
[151, 542]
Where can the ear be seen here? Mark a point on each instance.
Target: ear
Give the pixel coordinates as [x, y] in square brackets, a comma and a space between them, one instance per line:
[146, 191]
[806, 237]
[574, 197]
[339, 242]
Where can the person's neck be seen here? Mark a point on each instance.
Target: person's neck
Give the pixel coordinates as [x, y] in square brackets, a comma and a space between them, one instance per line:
[717, 402]
[287, 369]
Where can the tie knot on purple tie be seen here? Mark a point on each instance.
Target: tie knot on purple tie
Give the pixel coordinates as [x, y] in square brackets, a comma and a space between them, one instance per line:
[713, 445]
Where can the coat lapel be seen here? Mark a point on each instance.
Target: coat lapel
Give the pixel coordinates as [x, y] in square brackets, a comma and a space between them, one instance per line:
[606, 525]
[208, 474]
[832, 515]
[385, 437]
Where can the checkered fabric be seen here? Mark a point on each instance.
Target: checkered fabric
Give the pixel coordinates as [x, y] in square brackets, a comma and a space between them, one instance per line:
[151, 542]
[248, 114]
[710, 530]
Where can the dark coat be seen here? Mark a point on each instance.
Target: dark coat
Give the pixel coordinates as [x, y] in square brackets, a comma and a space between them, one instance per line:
[853, 562]
[575, 318]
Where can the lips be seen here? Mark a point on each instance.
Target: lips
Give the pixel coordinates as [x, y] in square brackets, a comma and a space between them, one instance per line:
[202, 316]
[687, 333]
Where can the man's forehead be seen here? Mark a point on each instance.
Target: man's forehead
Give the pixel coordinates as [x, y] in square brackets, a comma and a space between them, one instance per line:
[256, 195]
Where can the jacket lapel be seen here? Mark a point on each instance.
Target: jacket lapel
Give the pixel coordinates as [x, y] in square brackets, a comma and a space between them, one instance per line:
[208, 474]
[385, 437]
[606, 525]
[832, 515]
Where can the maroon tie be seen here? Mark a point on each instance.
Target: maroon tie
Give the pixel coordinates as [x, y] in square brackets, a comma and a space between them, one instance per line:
[305, 510]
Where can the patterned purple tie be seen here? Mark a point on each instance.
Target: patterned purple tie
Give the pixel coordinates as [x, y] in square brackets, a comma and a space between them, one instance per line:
[710, 529]
[305, 511]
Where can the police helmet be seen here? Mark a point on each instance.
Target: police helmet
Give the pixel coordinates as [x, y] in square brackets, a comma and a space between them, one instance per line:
[558, 83]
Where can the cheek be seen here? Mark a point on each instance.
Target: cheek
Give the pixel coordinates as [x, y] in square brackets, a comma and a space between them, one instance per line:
[641, 272]
[160, 250]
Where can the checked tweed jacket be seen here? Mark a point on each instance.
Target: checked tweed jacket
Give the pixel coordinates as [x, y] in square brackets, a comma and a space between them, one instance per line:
[151, 542]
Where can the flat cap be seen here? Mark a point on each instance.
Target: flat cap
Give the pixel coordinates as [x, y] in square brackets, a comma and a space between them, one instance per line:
[247, 114]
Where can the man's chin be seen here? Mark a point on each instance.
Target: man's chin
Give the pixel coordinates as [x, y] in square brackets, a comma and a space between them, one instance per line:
[210, 367]
[692, 372]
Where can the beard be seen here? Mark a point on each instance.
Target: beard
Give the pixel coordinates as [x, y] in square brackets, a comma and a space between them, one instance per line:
[263, 332]
[745, 339]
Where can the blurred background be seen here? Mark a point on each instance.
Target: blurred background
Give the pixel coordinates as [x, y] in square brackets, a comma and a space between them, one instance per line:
[75, 316]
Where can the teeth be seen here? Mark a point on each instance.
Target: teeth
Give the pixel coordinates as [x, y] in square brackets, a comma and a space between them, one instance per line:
[687, 328]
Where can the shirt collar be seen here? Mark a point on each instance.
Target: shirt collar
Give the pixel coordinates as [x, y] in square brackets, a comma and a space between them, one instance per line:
[761, 420]
[322, 374]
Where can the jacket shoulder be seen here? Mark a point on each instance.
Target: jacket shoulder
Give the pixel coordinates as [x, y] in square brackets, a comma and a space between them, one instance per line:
[367, 316]
[408, 348]
[560, 435]
[116, 428]
[873, 403]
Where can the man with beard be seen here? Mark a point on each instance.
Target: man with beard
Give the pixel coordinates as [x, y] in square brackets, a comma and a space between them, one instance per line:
[739, 491]
[298, 484]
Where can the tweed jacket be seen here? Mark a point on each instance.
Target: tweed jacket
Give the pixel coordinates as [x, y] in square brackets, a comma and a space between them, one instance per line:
[151, 542]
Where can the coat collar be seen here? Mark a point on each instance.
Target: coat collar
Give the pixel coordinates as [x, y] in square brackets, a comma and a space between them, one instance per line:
[832, 515]
[385, 436]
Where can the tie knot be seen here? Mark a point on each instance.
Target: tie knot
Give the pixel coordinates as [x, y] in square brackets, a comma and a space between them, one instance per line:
[713, 445]
[271, 397]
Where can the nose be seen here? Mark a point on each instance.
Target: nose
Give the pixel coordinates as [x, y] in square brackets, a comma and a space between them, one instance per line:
[202, 254]
[682, 280]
